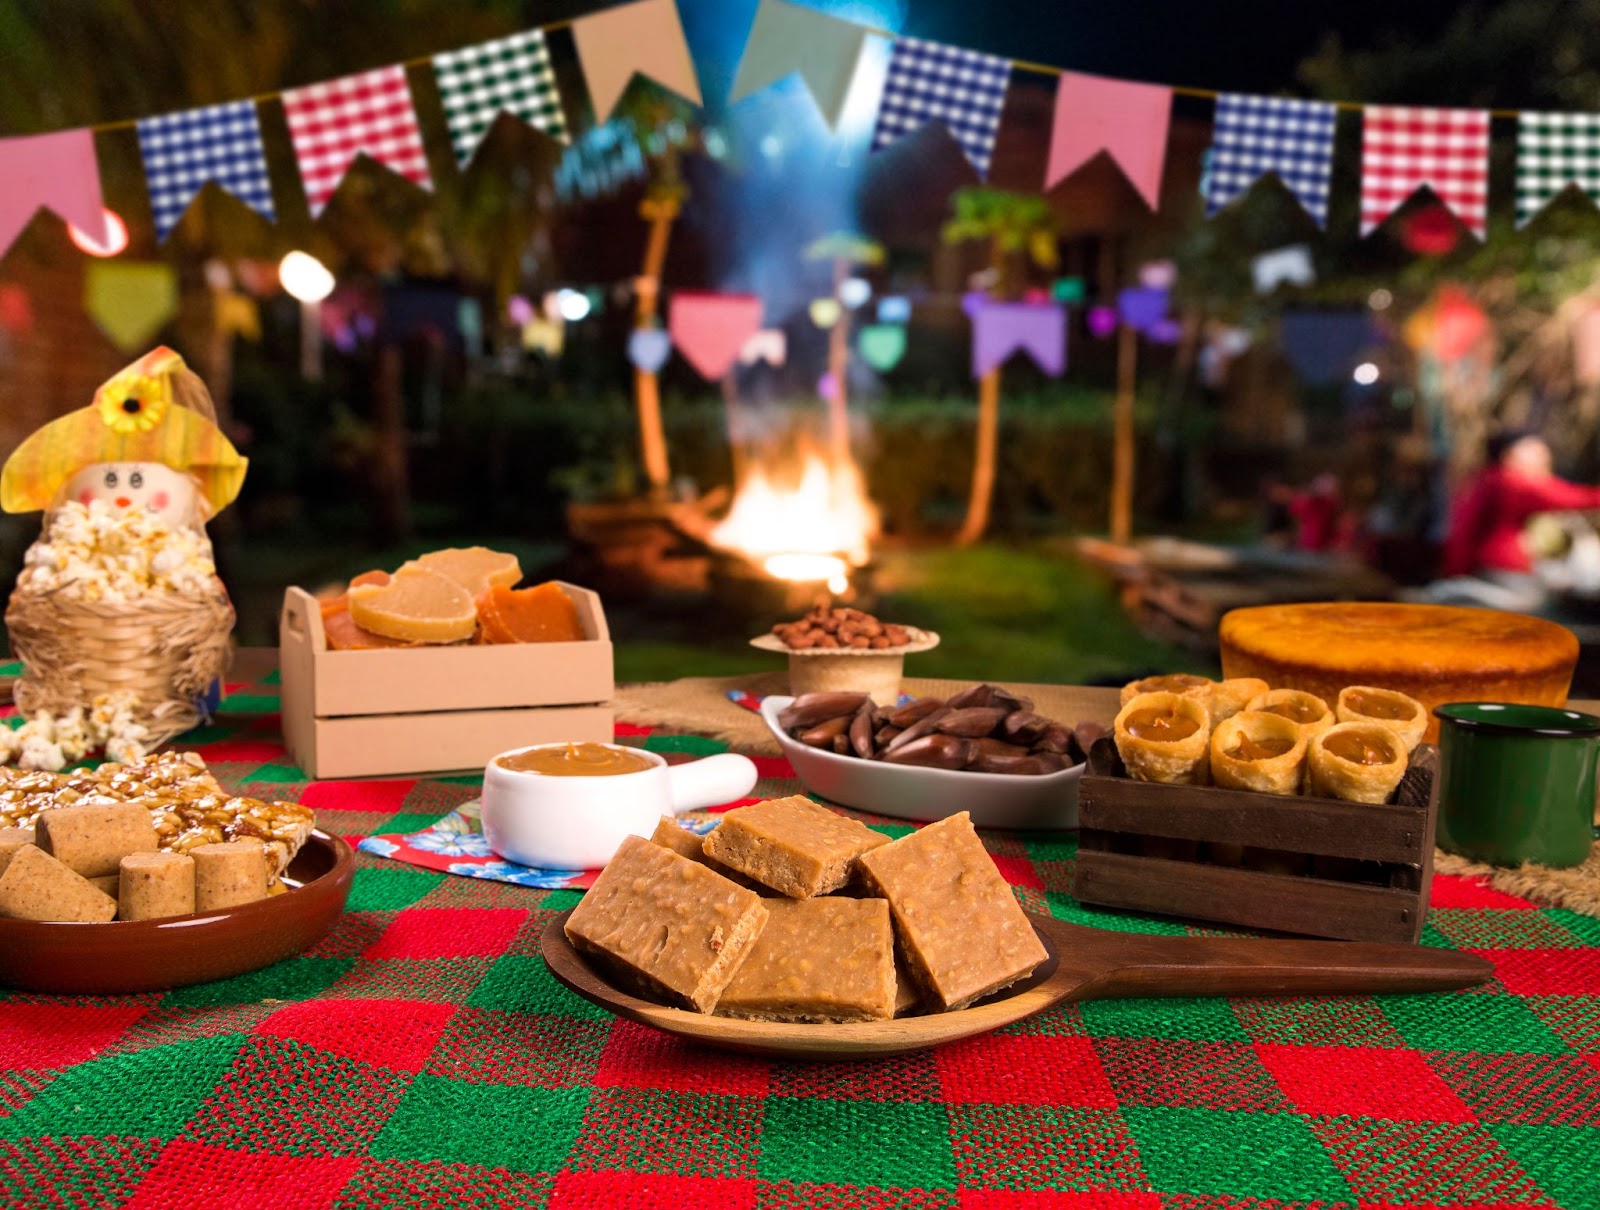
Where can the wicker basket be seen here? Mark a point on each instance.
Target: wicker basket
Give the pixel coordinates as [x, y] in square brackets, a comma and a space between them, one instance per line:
[166, 650]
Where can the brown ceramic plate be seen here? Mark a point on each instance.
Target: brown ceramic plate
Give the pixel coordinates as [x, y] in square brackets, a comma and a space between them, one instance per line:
[1082, 964]
[145, 955]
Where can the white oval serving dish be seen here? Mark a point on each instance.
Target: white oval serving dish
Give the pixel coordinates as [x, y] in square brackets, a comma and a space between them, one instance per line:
[995, 800]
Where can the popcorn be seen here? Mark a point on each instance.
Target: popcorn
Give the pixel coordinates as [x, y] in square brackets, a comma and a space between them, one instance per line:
[50, 744]
[72, 736]
[124, 751]
[95, 552]
[40, 753]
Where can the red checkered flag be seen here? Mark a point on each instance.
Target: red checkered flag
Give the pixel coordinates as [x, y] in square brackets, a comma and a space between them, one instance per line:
[369, 113]
[1404, 148]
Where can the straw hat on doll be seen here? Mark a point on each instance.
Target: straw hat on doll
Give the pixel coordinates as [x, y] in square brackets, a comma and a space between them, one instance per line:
[147, 421]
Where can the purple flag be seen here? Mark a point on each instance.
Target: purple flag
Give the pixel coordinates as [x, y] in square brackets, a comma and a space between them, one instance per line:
[1141, 307]
[999, 329]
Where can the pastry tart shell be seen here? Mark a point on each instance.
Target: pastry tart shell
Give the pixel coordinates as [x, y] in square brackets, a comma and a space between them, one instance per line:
[1410, 729]
[1180, 683]
[1279, 697]
[1266, 775]
[1183, 762]
[1332, 776]
[1232, 696]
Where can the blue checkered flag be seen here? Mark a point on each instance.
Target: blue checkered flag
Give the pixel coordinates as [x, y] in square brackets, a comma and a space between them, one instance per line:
[182, 151]
[1255, 136]
[930, 82]
[510, 74]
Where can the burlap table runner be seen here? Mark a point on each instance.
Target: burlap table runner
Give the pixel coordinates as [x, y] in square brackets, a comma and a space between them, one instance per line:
[701, 704]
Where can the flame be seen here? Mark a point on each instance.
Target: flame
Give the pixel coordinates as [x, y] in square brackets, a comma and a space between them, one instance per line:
[809, 526]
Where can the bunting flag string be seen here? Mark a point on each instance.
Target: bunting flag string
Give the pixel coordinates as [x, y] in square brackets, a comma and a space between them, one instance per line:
[1404, 148]
[370, 113]
[963, 90]
[1257, 136]
[511, 75]
[823, 50]
[1125, 120]
[185, 150]
[928, 83]
[1555, 150]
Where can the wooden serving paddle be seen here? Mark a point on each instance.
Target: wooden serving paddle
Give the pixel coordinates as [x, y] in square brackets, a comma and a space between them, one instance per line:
[1084, 964]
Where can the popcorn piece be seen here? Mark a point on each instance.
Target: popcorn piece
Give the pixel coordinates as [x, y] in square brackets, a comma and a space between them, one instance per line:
[124, 751]
[40, 753]
[72, 735]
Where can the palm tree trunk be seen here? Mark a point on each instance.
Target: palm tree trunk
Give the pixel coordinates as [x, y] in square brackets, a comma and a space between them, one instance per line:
[984, 459]
[986, 453]
[646, 389]
[1122, 440]
[838, 368]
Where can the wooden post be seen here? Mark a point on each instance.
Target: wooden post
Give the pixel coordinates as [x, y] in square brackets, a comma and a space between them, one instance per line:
[983, 459]
[1122, 439]
[646, 389]
[838, 367]
[735, 423]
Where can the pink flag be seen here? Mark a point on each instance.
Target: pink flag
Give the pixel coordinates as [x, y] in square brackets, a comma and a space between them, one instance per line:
[644, 37]
[1127, 121]
[711, 329]
[55, 170]
[332, 123]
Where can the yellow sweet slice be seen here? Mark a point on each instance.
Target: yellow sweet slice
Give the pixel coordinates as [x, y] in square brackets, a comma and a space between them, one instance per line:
[475, 568]
[417, 604]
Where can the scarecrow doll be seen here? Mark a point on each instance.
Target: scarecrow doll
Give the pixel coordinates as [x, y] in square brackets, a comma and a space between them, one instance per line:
[118, 616]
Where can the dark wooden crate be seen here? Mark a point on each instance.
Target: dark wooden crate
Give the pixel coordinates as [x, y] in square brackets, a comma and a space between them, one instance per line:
[1325, 868]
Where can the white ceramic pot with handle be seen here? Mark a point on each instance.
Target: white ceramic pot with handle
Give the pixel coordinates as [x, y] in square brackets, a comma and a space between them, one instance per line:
[555, 822]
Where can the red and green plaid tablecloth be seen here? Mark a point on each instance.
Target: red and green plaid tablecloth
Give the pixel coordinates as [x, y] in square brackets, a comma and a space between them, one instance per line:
[421, 1056]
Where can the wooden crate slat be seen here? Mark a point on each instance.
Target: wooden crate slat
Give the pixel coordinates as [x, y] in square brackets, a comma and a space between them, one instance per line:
[1319, 826]
[1350, 911]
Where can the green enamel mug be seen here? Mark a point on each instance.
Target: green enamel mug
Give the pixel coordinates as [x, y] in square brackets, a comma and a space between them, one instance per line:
[1517, 782]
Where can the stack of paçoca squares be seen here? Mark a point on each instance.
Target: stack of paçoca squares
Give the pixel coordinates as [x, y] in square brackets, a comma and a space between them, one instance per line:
[788, 911]
[1241, 734]
[459, 595]
[92, 862]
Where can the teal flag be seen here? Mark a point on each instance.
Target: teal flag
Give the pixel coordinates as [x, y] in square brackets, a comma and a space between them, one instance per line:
[883, 345]
[787, 38]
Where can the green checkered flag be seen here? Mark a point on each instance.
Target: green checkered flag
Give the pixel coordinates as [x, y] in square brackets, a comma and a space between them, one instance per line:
[1553, 151]
[513, 74]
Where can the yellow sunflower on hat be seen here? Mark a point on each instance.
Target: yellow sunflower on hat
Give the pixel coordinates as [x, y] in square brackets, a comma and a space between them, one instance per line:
[138, 415]
[134, 403]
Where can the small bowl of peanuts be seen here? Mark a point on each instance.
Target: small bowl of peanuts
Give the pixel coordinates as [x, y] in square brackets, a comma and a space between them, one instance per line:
[840, 649]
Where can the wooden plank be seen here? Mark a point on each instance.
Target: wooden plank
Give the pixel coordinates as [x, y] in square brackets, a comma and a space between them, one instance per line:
[1246, 897]
[1323, 827]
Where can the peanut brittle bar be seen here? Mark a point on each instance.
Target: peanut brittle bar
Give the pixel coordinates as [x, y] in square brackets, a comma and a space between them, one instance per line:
[188, 806]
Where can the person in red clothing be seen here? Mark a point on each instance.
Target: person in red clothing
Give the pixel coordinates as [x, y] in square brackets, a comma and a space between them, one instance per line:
[1486, 561]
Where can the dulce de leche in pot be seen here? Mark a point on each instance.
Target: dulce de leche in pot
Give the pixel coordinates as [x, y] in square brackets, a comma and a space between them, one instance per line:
[575, 760]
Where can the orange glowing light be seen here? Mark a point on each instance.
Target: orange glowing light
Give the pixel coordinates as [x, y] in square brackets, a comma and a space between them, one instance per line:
[811, 525]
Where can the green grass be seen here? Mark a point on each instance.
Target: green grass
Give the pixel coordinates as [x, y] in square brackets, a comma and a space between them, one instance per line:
[1018, 613]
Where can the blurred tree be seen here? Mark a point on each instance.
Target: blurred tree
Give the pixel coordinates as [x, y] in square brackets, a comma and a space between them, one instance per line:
[846, 249]
[1020, 230]
[656, 116]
